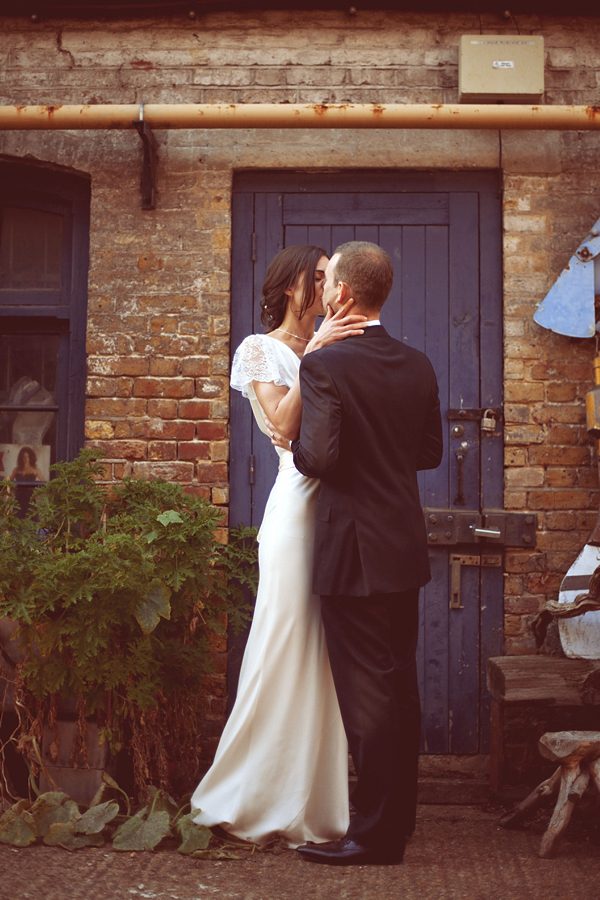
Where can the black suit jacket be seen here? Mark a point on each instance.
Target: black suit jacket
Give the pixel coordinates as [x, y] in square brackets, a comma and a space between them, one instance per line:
[370, 420]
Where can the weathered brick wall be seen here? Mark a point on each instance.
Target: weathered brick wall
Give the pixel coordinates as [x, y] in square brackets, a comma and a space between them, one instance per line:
[158, 324]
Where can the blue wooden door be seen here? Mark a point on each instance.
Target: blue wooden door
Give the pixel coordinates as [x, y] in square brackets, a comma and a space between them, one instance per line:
[442, 231]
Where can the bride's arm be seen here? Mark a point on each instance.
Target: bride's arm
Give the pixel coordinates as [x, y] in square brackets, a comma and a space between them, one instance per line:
[282, 405]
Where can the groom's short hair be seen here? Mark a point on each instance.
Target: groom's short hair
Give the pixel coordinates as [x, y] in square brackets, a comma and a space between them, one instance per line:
[367, 270]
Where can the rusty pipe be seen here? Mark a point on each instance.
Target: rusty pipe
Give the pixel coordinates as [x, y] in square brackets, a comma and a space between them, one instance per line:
[293, 115]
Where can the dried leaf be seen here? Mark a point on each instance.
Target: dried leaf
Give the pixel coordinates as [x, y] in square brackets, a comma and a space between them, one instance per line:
[140, 833]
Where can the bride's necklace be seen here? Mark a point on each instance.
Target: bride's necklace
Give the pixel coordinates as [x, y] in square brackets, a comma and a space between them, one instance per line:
[306, 340]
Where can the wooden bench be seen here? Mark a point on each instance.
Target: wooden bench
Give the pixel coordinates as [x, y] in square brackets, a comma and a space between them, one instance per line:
[547, 680]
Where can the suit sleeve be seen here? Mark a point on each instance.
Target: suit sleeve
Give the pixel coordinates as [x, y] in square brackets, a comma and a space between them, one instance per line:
[316, 450]
[431, 445]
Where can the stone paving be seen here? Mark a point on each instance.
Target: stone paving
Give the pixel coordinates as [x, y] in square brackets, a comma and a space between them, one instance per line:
[457, 853]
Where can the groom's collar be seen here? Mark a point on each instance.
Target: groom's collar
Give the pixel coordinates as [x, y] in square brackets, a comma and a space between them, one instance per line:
[370, 322]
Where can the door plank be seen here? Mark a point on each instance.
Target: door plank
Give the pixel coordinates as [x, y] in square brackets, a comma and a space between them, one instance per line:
[464, 684]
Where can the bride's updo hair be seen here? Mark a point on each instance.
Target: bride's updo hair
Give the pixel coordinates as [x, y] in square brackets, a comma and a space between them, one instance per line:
[283, 273]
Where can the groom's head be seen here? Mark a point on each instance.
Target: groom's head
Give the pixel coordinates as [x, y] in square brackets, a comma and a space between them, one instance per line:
[360, 270]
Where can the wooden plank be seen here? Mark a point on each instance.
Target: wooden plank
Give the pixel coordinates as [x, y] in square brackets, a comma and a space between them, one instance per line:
[434, 640]
[240, 509]
[464, 371]
[522, 679]
[367, 180]
[382, 203]
[366, 216]
[269, 241]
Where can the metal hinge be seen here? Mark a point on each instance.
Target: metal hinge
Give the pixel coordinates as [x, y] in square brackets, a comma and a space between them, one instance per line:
[457, 561]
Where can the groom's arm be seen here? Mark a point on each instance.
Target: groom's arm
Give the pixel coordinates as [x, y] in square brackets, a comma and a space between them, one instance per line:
[316, 450]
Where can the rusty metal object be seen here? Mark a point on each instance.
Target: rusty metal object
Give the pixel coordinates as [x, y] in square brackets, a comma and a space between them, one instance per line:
[296, 115]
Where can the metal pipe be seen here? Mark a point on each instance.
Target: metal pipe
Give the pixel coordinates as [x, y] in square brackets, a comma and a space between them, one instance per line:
[295, 115]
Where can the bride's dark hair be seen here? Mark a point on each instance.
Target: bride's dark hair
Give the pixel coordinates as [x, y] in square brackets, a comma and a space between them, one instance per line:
[283, 273]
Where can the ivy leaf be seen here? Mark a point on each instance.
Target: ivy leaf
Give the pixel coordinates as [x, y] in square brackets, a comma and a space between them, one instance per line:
[139, 833]
[96, 817]
[194, 837]
[154, 605]
[62, 834]
[169, 516]
[151, 536]
[17, 825]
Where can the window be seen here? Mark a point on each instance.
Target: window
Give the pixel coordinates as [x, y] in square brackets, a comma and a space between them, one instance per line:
[44, 227]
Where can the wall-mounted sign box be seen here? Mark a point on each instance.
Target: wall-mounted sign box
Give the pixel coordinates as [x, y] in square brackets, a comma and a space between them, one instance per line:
[501, 67]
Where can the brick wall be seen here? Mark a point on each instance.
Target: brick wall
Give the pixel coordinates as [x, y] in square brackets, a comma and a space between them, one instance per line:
[158, 324]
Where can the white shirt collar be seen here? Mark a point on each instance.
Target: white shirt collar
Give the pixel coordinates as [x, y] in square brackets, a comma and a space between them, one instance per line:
[372, 322]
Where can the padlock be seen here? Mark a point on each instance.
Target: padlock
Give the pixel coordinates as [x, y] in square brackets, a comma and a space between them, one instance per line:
[488, 421]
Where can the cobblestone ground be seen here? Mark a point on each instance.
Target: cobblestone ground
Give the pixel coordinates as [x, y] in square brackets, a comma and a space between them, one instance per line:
[457, 853]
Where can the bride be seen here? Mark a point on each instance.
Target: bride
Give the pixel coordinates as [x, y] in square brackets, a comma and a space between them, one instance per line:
[281, 767]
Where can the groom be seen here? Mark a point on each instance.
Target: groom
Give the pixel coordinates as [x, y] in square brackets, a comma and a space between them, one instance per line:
[370, 420]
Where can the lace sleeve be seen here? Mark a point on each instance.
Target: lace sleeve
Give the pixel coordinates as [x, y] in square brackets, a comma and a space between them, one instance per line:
[255, 360]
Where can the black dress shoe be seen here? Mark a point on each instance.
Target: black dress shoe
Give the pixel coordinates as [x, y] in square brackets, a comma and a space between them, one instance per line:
[347, 852]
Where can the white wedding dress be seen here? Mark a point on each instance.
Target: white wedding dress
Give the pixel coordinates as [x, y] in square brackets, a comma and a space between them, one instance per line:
[281, 767]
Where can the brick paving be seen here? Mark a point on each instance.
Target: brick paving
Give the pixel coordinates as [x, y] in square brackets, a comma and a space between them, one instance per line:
[457, 853]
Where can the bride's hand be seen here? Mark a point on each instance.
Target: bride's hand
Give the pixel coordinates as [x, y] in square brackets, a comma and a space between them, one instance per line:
[336, 327]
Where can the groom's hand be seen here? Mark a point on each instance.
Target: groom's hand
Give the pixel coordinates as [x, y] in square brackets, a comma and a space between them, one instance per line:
[277, 439]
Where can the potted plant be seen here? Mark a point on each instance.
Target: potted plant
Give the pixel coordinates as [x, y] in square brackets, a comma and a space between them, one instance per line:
[119, 596]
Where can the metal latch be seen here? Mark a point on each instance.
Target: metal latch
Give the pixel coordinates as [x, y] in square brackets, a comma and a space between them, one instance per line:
[446, 527]
[457, 561]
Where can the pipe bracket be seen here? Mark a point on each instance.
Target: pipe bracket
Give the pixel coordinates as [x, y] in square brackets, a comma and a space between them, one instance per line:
[150, 160]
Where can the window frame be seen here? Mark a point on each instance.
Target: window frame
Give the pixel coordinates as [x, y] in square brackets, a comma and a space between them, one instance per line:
[62, 311]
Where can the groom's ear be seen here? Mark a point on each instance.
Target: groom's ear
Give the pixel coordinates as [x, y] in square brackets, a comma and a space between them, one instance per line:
[343, 293]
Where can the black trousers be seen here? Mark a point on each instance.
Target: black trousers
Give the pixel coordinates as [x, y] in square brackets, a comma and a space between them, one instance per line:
[372, 643]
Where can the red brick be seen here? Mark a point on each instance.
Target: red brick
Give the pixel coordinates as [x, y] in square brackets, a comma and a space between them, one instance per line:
[520, 391]
[551, 415]
[170, 471]
[121, 449]
[561, 521]
[559, 456]
[123, 430]
[162, 450]
[166, 430]
[564, 434]
[212, 387]
[211, 431]
[193, 450]
[572, 500]
[150, 262]
[563, 371]
[540, 499]
[558, 392]
[209, 473]
[198, 490]
[561, 477]
[195, 366]
[163, 409]
[194, 409]
[163, 324]
[131, 365]
[163, 387]
[113, 407]
[165, 366]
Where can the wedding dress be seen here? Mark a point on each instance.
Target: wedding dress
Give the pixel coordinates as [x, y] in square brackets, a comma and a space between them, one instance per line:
[281, 767]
